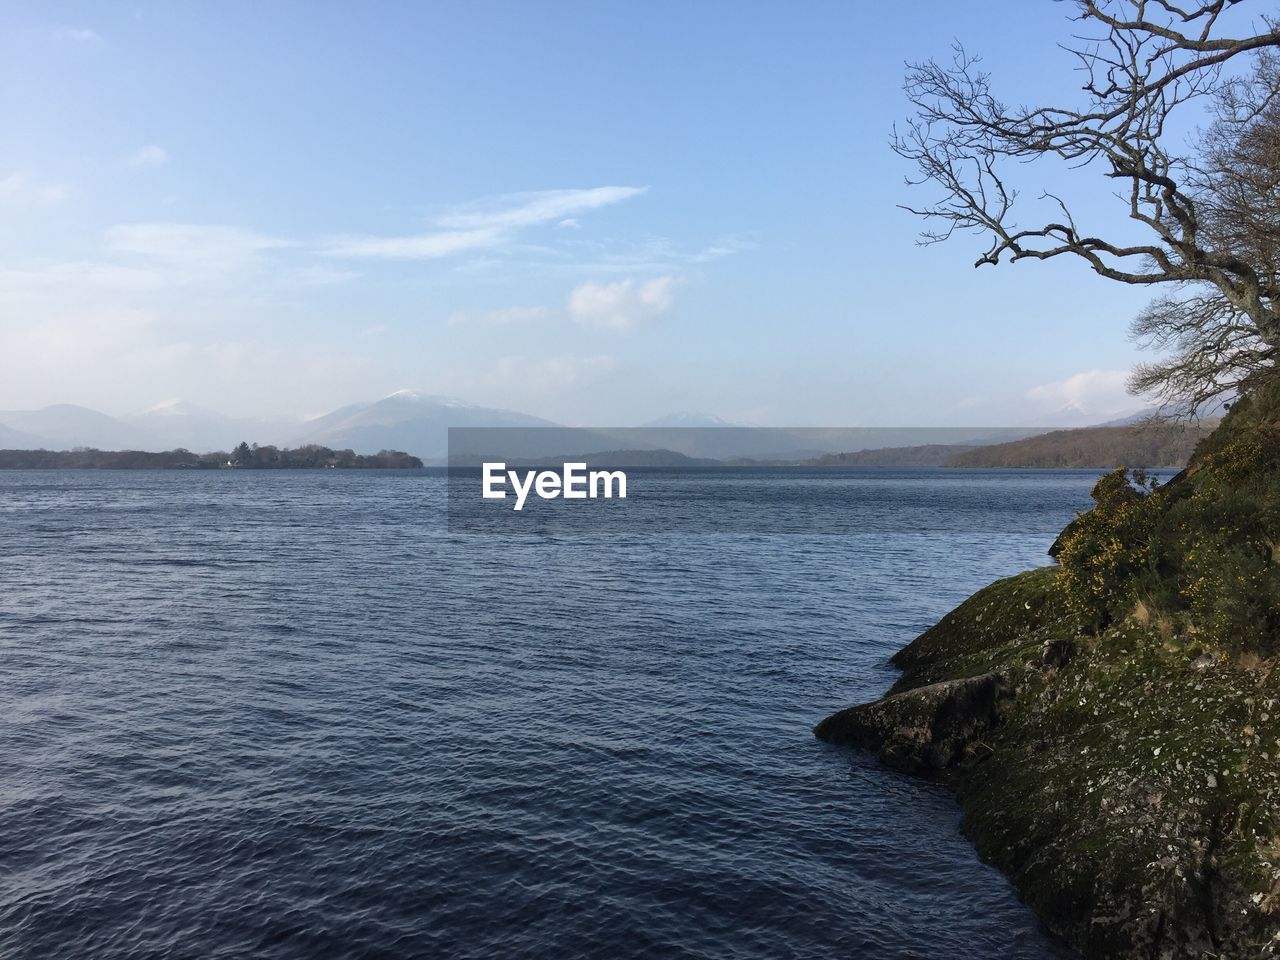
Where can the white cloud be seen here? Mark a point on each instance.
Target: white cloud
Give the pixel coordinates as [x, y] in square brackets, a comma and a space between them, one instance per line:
[482, 225]
[149, 156]
[622, 304]
[516, 210]
[18, 188]
[425, 246]
[505, 316]
[1098, 393]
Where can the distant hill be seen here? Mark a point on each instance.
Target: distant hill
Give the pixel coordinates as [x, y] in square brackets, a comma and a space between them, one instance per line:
[924, 455]
[64, 426]
[618, 459]
[11, 438]
[1136, 445]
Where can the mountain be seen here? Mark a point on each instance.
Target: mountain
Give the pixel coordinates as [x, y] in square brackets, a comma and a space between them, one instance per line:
[11, 439]
[1075, 415]
[64, 426]
[1142, 416]
[802, 444]
[1206, 412]
[177, 423]
[924, 455]
[406, 420]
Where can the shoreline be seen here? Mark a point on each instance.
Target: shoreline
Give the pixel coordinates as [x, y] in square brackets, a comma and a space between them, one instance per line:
[1114, 780]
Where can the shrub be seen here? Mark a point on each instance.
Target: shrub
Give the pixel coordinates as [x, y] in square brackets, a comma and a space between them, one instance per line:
[1106, 551]
[1201, 552]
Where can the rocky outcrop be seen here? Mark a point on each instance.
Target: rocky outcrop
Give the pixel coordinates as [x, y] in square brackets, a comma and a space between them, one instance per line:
[928, 729]
[1127, 783]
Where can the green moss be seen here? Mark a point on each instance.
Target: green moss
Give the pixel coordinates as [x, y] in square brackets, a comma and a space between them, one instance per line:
[1002, 624]
[1134, 786]
[1131, 793]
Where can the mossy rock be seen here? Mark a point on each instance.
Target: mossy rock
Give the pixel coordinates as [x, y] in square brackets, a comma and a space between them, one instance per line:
[925, 729]
[1004, 624]
[1132, 797]
[1127, 783]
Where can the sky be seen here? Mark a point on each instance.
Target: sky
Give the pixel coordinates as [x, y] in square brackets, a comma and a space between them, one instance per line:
[594, 212]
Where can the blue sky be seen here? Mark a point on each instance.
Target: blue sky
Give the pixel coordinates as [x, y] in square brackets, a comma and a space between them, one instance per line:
[595, 212]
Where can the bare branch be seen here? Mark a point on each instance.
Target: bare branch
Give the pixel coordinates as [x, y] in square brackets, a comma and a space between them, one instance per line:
[1211, 208]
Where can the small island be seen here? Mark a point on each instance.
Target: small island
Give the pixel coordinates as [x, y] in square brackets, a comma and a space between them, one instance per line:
[244, 457]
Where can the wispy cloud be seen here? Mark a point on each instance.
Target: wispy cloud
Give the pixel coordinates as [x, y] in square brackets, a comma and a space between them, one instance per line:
[18, 188]
[424, 246]
[514, 210]
[651, 254]
[622, 304]
[503, 317]
[200, 248]
[483, 225]
[150, 155]
[318, 276]
[66, 33]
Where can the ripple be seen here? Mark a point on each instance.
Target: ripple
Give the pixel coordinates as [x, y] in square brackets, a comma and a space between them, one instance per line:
[284, 716]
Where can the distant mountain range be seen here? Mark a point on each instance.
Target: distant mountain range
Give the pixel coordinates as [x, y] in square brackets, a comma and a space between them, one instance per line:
[418, 423]
[409, 420]
[65, 426]
[405, 420]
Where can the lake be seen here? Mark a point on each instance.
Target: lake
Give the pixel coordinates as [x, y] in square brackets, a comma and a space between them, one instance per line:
[290, 714]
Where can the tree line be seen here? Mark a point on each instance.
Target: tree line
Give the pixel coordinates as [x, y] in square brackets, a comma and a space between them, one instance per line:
[244, 457]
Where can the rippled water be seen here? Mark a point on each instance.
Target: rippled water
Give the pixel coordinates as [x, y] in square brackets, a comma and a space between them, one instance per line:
[289, 715]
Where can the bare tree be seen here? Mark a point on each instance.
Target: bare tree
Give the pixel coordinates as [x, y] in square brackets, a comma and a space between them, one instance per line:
[1207, 207]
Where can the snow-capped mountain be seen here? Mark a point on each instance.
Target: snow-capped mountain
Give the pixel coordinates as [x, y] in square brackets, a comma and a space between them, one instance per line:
[178, 423]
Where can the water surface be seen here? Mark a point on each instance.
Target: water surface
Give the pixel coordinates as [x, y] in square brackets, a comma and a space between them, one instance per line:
[287, 714]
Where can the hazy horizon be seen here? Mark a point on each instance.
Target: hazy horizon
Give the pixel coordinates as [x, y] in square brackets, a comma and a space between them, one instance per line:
[1066, 417]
